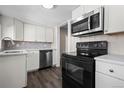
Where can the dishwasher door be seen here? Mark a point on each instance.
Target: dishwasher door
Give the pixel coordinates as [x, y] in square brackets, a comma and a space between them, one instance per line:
[45, 58]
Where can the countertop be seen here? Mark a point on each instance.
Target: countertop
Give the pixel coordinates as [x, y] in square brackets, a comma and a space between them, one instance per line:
[13, 52]
[40, 49]
[21, 51]
[111, 58]
[71, 53]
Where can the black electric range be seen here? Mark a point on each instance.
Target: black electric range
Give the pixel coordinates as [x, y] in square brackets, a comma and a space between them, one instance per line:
[78, 68]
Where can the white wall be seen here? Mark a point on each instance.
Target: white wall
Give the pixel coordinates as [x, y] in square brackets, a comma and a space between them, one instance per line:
[71, 40]
[56, 46]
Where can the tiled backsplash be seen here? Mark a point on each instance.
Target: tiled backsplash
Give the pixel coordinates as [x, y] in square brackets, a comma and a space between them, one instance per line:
[25, 45]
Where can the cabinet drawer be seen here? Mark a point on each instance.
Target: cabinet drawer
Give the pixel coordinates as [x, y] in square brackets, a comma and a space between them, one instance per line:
[110, 69]
[105, 81]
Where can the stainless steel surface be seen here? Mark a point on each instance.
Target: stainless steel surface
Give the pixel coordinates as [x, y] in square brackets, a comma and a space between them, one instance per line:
[100, 11]
[12, 42]
[98, 29]
[45, 58]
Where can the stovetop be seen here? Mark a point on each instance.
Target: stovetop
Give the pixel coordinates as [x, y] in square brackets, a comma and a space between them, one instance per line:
[89, 49]
[74, 54]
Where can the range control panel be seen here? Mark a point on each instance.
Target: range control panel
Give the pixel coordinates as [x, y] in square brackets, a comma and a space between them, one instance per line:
[92, 45]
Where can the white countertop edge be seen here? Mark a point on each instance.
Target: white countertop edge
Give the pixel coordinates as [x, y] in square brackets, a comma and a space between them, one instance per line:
[12, 54]
[23, 51]
[32, 49]
[111, 58]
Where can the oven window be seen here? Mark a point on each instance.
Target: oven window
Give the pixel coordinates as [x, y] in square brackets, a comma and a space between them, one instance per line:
[75, 72]
[95, 21]
[80, 26]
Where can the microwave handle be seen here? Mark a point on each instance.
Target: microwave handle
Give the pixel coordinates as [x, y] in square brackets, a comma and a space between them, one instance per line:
[88, 23]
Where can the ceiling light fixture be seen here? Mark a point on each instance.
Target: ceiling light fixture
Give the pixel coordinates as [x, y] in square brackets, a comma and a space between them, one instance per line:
[48, 6]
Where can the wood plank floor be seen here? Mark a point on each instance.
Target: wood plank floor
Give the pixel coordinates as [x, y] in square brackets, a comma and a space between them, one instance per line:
[47, 78]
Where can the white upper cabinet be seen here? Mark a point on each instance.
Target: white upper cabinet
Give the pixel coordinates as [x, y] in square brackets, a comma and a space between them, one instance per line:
[37, 33]
[49, 35]
[89, 8]
[78, 12]
[40, 33]
[7, 24]
[16, 30]
[29, 32]
[114, 19]
[19, 30]
[12, 28]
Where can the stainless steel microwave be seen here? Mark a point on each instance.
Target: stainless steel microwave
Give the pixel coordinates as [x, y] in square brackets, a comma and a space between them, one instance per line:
[91, 22]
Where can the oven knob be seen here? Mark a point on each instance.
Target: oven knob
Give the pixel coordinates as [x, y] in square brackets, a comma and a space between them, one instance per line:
[100, 45]
[103, 44]
[95, 45]
[80, 46]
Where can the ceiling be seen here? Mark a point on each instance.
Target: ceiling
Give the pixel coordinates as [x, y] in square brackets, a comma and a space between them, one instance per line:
[36, 14]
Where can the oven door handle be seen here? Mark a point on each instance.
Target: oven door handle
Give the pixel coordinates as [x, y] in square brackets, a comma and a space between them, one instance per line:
[89, 23]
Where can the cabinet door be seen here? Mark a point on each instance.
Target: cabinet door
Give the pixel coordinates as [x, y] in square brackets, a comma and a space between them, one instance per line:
[104, 81]
[115, 16]
[13, 71]
[29, 32]
[33, 60]
[18, 30]
[89, 8]
[7, 27]
[78, 12]
[0, 38]
[40, 34]
[49, 35]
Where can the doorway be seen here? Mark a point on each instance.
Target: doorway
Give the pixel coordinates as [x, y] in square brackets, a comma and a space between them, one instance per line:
[63, 38]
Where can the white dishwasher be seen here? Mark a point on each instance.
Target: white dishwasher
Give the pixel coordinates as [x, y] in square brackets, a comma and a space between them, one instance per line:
[32, 60]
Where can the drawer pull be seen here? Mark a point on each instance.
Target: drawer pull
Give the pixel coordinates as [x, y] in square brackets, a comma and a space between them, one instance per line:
[111, 70]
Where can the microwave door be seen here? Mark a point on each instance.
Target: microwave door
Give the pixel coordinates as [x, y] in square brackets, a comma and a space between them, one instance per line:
[96, 20]
[81, 27]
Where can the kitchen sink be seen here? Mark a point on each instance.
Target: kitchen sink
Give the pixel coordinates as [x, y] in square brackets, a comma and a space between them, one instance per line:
[13, 51]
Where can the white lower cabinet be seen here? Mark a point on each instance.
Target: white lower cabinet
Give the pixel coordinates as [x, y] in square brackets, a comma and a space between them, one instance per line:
[109, 72]
[106, 81]
[32, 60]
[13, 72]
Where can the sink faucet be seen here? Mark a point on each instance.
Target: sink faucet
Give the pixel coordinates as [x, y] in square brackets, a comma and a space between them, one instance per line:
[12, 42]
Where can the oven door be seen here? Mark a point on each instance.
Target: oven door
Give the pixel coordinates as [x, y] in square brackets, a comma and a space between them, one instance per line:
[96, 20]
[80, 27]
[78, 73]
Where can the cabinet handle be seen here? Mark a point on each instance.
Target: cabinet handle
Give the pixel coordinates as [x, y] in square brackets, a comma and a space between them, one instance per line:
[111, 70]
